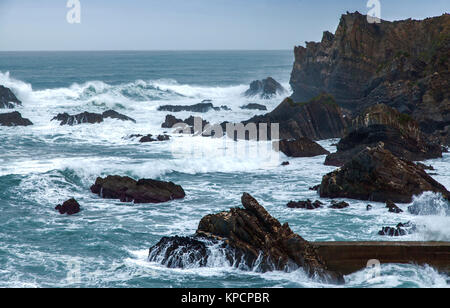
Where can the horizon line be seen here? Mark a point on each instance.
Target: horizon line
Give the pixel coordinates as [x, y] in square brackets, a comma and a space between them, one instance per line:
[138, 50]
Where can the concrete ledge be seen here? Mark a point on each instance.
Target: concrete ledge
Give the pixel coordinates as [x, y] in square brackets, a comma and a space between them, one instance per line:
[350, 257]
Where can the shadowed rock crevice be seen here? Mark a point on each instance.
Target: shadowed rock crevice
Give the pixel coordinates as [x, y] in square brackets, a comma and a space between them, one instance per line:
[8, 99]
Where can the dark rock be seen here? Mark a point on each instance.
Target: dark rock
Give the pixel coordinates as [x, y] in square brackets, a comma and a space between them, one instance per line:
[150, 138]
[191, 125]
[339, 205]
[90, 118]
[254, 107]
[393, 208]
[127, 189]
[8, 99]
[202, 108]
[318, 119]
[70, 207]
[400, 134]
[369, 207]
[307, 205]
[315, 188]
[13, 119]
[265, 89]
[302, 147]
[285, 163]
[255, 235]
[376, 174]
[400, 230]
[425, 167]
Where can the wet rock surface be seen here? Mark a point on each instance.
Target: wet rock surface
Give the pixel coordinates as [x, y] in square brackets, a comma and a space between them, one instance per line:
[401, 229]
[149, 138]
[201, 108]
[265, 89]
[89, 118]
[307, 205]
[8, 99]
[13, 119]
[254, 107]
[69, 207]
[127, 189]
[302, 147]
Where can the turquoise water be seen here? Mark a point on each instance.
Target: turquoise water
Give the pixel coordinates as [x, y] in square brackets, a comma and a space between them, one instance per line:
[45, 164]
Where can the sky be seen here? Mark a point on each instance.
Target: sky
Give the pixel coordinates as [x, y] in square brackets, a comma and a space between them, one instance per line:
[186, 24]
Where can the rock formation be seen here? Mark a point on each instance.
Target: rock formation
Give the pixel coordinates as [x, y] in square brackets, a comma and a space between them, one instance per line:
[250, 238]
[254, 107]
[127, 189]
[404, 64]
[400, 230]
[13, 119]
[307, 205]
[202, 108]
[265, 89]
[8, 99]
[375, 174]
[91, 118]
[302, 147]
[70, 207]
[150, 138]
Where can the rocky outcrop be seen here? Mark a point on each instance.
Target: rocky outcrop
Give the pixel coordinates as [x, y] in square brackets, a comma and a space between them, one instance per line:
[339, 205]
[150, 138]
[70, 207]
[307, 205]
[89, 118]
[254, 107]
[8, 99]
[404, 64]
[375, 174]
[320, 118]
[400, 134]
[265, 89]
[302, 147]
[127, 189]
[393, 208]
[13, 119]
[400, 230]
[249, 238]
[191, 125]
[202, 108]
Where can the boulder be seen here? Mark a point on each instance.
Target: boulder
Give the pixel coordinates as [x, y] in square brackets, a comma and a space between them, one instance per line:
[302, 147]
[127, 189]
[70, 207]
[254, 107]
[375, 174]
[90, 118]
[8, 99]
[150, 138]
[393, 208]
[191, 125]
[307, 205]
[201, 107]
[13, 119]
[339, 205]
[400, 230]
[285, 163]
[265, 89]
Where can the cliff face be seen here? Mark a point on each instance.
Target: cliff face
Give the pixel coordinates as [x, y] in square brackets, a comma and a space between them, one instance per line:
[403, 64]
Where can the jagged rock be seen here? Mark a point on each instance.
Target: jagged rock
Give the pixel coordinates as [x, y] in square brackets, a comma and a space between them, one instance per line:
[339, 205]
[320, 118]
[369, 207]
[127, 189]
[315, 188]
[400, 134]
[13, 119]
[404, 64]
[254, 107]
[191, 125]
[285, 163]
[375, 174]
[88, 117]
[302, 147]
[400, 230]
[202, 108]
[425, 167]
[70, 207]
[308, 205]
[150, 138]
[8, 99]
[393, 208]
[265, 89]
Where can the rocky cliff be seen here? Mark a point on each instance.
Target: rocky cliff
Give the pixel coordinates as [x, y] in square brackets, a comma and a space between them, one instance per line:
[404, 64]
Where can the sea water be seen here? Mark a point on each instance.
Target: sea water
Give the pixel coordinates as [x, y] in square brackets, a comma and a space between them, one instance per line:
[106, 245]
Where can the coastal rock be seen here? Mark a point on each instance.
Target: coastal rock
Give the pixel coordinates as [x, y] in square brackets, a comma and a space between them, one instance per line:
[307, 205]
[191, 125]
[201, 108]
[70, 207]
[265, 89]
[8, 99]
[150, 138]
[302, 147]
[90, 118]
[254, 107]
[13, 119]
[400, 134]
[285, 163]
[404, 64]
[339, 205]
[320, 118]
[127, 189]
[400, 230]
[393, 208]
[375, 174]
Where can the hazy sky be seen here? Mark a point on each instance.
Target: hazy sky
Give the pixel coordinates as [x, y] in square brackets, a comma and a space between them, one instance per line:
[185, 24]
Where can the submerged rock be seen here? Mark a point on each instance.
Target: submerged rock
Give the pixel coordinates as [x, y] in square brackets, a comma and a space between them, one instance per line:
[393, 208]
[248, 238]
[150, 138]
[70, 207]
[254, 107]
[307, 205]
[8, 99]
[13, 119]
[201, 107]
[376, 174]
[302, 147]
[400, 230]
[90, 118]
[339, 205]
[265, 89]
[127, 189]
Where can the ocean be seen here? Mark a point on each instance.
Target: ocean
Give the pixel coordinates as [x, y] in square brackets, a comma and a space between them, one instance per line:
[106, 245]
